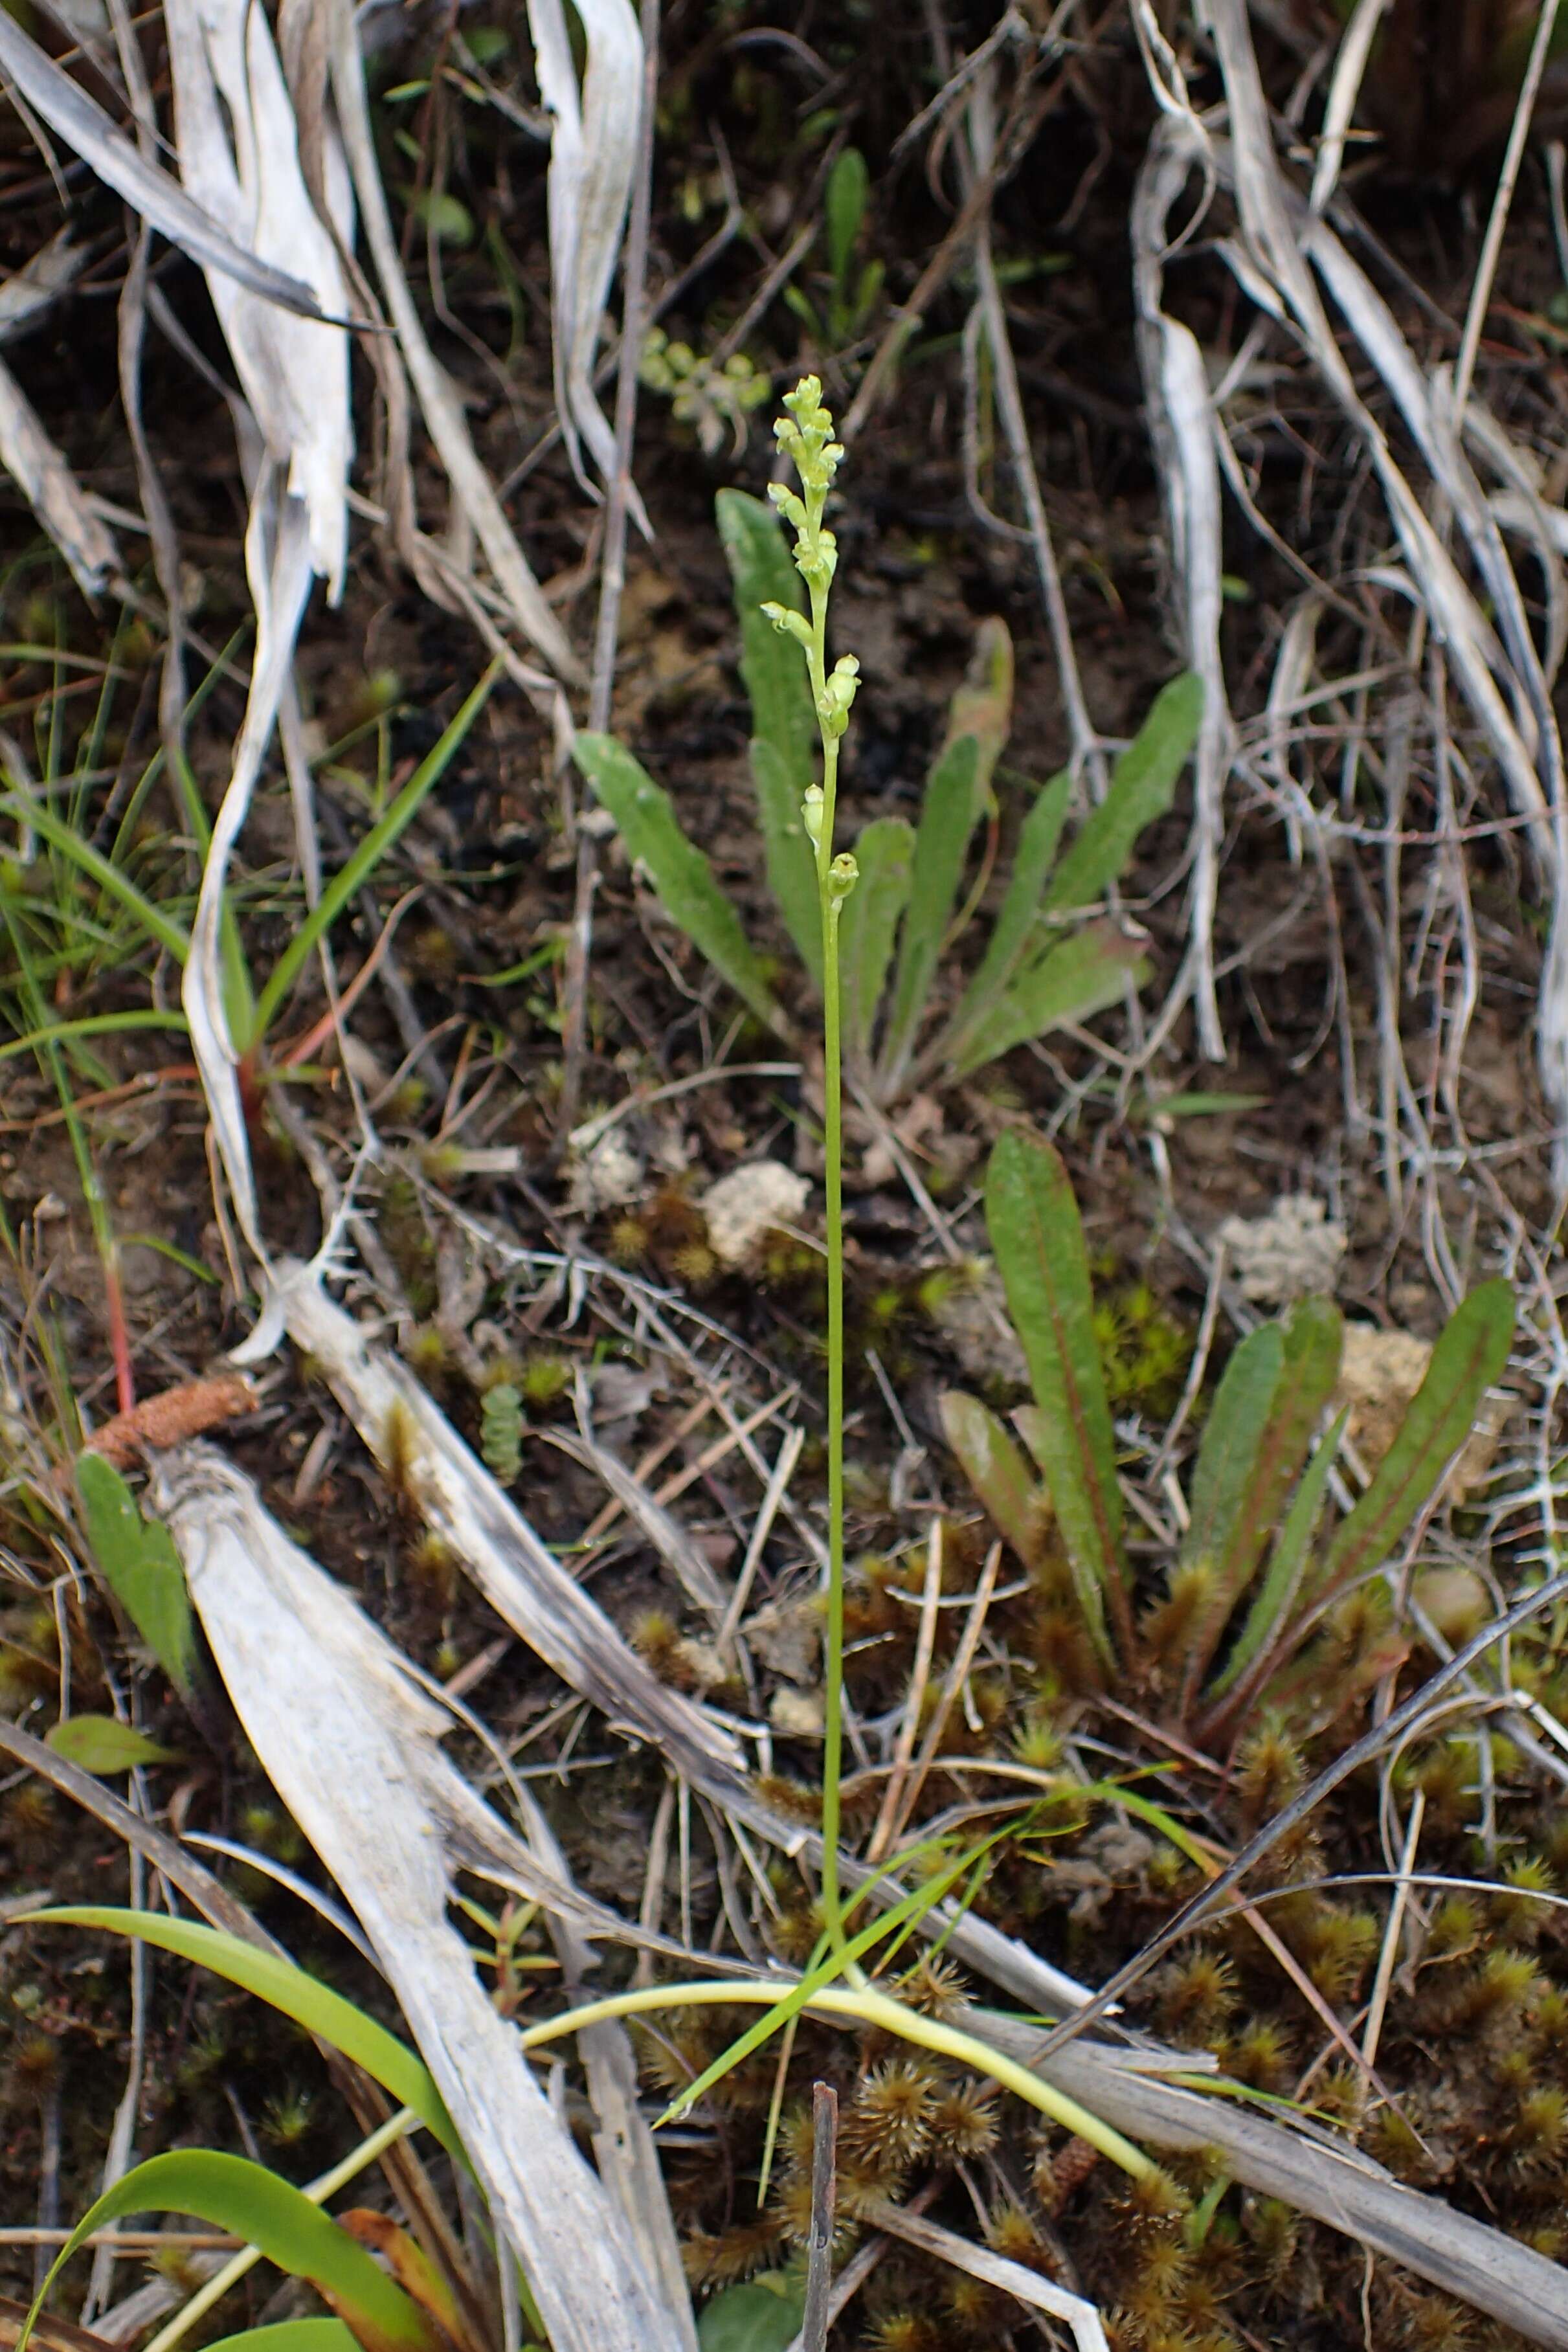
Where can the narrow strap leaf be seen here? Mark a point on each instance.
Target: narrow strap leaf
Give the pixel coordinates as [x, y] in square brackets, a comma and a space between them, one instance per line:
[285, 1988]
[868, 924]
[998, 1472]
[1471, 1354]
[1142, 786]
[1310, 1342]
[268, 2212]
[1076, 978]
[947, 815]
[1037, 1238]
[678, 869]
[1015, 919]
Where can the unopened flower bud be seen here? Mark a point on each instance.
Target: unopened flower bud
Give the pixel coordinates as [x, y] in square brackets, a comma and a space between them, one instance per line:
[811, 815]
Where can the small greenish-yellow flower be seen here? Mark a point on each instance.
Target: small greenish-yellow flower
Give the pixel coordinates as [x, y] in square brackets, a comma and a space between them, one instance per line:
[790, 624]
[833, 703]
[811, 815]
[842, 877]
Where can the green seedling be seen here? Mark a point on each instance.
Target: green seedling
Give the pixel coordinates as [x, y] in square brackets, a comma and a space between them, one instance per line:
[1254, 1580]
[853, 286]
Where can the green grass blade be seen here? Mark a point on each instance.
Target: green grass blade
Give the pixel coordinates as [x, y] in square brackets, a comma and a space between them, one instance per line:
[947, 815]
[1037, 1238]
[139, 1563]
[1277, 1594]
[998, 1473]
[268, 2212]
[868, 925]
[680, 872]
[1312, 1335]
[358, 869]
[1071, 982]
[93, 1024]
[91, 862]
[1472, 1353]
[1142, 785]
[784, 728]
[290, 2336]
[287, 1989]
[911, 1906]
[1010, 939]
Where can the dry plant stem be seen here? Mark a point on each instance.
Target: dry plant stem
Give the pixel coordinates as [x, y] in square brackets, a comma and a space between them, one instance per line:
[823, 2188]
[612, 565]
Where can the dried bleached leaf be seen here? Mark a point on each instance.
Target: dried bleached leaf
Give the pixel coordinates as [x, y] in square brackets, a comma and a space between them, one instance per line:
[351, 1747]
[52, 491]
[160, 199]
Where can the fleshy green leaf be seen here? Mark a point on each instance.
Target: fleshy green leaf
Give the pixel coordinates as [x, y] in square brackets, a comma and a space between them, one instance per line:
[844, 205]
[290, 2336]
[1311, 1338]
[868, 925]
[101, 1743]
[141, 1567]
[1142, 785]
[1237, 1419]
[232, 2193]
[285, 1988]
[1015, 918]
[948, 816]
[759, 2314]
[1277, 1594]
[680, 872]
[784, 730]
[1037, 1239]
[1471, 1354]
[1076, 978]
[996, 1470]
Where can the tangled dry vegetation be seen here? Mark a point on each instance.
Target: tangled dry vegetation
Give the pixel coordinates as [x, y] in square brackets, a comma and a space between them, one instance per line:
[422, 1370]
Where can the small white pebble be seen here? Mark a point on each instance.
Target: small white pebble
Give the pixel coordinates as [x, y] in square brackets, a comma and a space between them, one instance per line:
[750, 1202]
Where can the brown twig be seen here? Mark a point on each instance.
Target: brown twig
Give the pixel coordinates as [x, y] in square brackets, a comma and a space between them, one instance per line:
[823, 2196]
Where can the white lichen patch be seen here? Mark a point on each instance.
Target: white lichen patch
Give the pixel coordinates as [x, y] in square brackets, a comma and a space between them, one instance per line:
[1292, 1252]
[748, 1203]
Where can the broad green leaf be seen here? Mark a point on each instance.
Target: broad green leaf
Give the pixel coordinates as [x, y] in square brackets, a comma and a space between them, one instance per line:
[1276, 1597]
[232, 2193]
[290, 2336]
[1472, 1353]
[1142, 785]
[680, 872]
[357, 868]
[868, 925]
[952, 805]
[759, 2314]
[1011, 934]
[141, 1567]
[786, 851]
[1311, 1338]
[998, 1472]
[844, 205]
[1076, 978]
[1036, 1238]
[285, 1988]
[101, 1743]
[784, 726]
